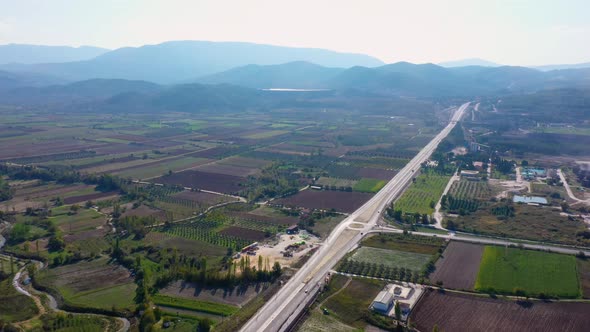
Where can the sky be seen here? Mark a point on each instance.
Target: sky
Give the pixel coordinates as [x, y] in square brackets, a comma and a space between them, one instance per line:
[512, 32]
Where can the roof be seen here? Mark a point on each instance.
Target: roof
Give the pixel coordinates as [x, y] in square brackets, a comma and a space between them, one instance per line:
[529, 199]
[293, 227]
[384, 297]
[468, 172]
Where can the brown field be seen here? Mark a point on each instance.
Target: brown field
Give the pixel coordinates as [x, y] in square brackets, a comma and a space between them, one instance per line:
[35, 196]
[287, 221]
[202, 197]
[213, 153]
[460, 312]
[193, 291]
[110, 161]
[377, 173]
[244, 233]
[233, 170]
[584, 270]
[326, 200]
[18, 149]
[145, 211]
[89, 197]
[85, 276]
[203, 180]
[458, 266]
[245, 162]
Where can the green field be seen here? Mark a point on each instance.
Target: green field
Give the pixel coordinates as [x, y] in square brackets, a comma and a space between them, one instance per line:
[391, 258]
[14, 306]
[369, 185]
[422, 195]
[337, 182]
[201, 306]
[351, 304]
[507, 270]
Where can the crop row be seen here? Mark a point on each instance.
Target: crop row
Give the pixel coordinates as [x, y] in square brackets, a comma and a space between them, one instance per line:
[471, 190]
[378, 270]
[206, 234]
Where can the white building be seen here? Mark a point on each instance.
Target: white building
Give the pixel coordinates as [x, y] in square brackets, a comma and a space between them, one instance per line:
[383, 302]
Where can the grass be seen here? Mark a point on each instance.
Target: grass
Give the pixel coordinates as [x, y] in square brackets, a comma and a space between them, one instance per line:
[351, 304]
[391, 258]
[507, 270]
[369, 185]
[421, 196]
[14, 306]
[529, 223]
[318, 322]
[120, 296]
[338, 182]
[409, 243]
[202, 306]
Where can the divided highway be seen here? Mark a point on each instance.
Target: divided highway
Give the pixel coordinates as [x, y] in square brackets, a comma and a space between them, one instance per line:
[284, 308]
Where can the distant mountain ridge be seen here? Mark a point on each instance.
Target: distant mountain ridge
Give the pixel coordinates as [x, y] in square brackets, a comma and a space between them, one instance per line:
[180, 61]
[469, 62]
[33, 54]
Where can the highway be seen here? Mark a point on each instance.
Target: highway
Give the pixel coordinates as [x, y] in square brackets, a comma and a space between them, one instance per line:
[284, 308]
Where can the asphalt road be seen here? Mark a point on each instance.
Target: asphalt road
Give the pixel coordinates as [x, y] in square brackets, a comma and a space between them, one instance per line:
[283, 308]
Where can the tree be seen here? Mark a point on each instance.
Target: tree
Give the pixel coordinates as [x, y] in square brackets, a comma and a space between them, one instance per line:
[398, 311]
[276, 270]
[147, 320]
[56, 243]
[74, 208]
[435, 328]
[204, 325]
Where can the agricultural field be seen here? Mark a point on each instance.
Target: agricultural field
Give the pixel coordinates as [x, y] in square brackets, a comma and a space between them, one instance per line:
[368, 185]
[14, 306]
[512, 270]
[335, 182]
[422, 195]
[584, 271]
[465, 189]
[526, 222]
[202, 180]
[326, 200]
[195, 305]
[351, 304]
[91, 284]
[458, 266]
[391, 258]
[260, 156]
[460, 312]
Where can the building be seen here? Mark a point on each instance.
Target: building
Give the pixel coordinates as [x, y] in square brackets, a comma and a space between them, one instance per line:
[535, 200]
[383, 302]
[294, 229]
[470, 175]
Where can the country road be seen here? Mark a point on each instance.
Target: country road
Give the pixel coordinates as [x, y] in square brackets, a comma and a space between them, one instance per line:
[284, 308]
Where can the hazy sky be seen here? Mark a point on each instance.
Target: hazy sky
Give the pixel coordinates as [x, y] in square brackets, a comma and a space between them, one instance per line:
[526, 32]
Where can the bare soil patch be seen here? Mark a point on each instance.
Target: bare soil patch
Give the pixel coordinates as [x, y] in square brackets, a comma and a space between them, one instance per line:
[244, 233]
[326, 200]
[458, 266]
[460, 312]
[376, 173]
[203, 180]
[145, 211]
[89, 197]
[203, 197]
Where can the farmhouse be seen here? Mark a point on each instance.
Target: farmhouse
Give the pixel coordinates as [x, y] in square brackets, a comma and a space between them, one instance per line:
[294, 229]
[383, 302]
[470, 175]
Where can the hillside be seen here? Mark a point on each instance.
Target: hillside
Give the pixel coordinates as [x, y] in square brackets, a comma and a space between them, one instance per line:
[182, 61]
[29, 54]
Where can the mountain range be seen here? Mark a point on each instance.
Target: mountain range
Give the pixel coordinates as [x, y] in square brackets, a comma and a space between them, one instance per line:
[182, 61]
[32, 54]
